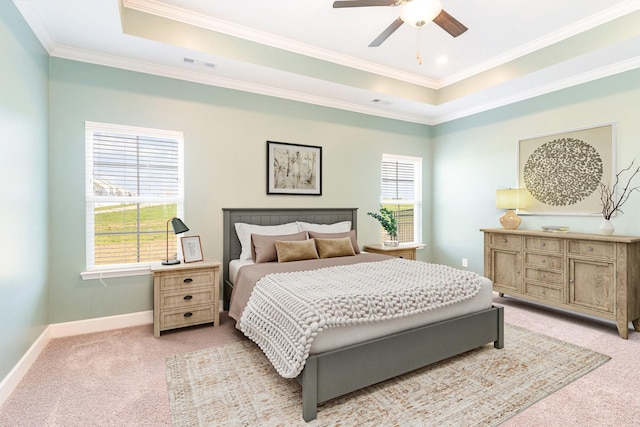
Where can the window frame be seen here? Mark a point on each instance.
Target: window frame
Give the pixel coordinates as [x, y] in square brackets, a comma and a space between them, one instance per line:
[416, 201]
[127, 269]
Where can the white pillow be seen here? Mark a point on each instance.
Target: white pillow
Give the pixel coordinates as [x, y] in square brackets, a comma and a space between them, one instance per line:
[244, 232]
[338, 227]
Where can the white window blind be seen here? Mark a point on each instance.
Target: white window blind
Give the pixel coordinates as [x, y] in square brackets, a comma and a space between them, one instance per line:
[401, 192]
[134, 186]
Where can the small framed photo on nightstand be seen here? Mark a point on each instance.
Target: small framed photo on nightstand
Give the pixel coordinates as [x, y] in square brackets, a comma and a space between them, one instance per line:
[191, 249]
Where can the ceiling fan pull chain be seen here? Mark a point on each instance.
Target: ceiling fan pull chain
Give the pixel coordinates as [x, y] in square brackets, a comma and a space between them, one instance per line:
[418, 57]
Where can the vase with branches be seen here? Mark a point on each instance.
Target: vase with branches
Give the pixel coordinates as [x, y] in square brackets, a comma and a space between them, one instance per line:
[611, 201]
[389, 223]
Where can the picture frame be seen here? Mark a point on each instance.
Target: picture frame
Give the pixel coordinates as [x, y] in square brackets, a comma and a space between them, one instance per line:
[562, 171]
[294, 169]
[191, 249]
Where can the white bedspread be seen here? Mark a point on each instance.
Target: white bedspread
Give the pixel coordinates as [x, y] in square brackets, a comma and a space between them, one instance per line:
[287, 310]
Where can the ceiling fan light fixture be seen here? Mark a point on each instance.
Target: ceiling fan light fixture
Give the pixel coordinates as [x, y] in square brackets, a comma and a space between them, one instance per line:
[418, 13]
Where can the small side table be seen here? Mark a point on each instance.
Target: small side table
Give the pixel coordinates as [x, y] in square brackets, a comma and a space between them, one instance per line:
[185, 294]
[402, 251]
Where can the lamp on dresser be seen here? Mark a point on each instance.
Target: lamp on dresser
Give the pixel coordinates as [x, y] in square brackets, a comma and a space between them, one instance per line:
[511, 199]
[178, 227]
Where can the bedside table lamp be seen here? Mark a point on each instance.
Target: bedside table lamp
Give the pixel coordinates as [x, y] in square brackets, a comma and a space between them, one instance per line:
[178, 227]
[511, 199]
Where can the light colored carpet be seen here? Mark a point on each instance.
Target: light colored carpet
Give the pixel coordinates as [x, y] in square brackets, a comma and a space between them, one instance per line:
[235, 385]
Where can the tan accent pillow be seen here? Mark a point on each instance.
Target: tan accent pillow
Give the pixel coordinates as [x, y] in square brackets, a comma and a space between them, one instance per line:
[331, 248]
[263, 247]
[296, 251]
[351, 234]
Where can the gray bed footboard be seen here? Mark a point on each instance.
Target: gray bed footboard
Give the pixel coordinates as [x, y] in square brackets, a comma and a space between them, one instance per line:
[338, 372]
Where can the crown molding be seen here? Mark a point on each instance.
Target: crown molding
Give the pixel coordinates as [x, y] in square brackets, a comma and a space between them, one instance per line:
[37, 23]
[576, 28]
[227, 83]
[588, 76]
[163, 10]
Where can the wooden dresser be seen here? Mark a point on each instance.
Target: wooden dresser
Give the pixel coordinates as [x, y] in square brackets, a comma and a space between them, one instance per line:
[591, 274]
[185, 294]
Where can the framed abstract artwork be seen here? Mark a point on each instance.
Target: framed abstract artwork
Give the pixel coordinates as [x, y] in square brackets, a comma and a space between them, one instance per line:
[562, 171]
[294, 169]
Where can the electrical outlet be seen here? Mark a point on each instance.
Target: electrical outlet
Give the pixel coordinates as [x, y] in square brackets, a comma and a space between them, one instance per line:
[465, 262]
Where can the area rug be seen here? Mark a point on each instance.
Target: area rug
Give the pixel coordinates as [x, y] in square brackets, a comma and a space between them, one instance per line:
[235, 385]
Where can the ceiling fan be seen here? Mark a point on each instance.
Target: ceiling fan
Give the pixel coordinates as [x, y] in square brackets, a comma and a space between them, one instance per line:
[414, 12]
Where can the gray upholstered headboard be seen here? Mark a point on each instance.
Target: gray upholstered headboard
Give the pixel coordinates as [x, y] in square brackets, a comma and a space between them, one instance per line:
[271, 216]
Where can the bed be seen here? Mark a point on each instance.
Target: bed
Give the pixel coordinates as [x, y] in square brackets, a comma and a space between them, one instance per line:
[335, 371]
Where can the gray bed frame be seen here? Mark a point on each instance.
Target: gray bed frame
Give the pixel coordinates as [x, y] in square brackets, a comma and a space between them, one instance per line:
[341, 371]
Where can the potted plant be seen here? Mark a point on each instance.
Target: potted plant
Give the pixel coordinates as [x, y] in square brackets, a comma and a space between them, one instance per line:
[611, 204]
[389, 223]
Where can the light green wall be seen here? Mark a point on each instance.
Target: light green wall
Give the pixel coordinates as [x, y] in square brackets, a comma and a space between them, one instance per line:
[23, 198]
[225, 165]
[476, 155]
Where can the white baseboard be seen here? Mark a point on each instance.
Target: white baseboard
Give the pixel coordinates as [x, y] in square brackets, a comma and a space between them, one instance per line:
[59, 330]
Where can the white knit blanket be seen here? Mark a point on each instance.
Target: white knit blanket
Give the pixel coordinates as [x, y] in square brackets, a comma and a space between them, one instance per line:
[287, 310]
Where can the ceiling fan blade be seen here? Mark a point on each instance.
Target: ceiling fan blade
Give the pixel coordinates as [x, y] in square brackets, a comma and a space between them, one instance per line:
[450, 24]
[363, 3]
[386, 33]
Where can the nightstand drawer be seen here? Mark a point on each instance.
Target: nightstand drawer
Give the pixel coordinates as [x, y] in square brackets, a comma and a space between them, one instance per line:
[185, 317]
[505, 241]
[187, 298]
[186, 280]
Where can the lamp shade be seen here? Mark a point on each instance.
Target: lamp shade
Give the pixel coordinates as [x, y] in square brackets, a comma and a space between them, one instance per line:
[420, 12]
[512, 198]
[178, 226]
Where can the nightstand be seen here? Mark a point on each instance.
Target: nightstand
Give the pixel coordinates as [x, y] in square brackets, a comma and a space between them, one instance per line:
[185, 294]
[402, 251]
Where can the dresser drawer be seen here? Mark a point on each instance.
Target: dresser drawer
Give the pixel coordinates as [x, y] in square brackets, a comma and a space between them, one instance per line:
[545, 261]
[543, 276]
[186, 280]
[546, 292]
[592, 249]
[505, 241]
[178, 318]
[543, 244]
[187, 298]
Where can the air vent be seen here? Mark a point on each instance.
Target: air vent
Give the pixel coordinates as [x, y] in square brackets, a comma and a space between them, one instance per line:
[199, 63]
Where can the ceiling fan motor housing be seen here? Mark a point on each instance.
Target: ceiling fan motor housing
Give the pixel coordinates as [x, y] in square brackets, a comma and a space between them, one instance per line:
[418, 13]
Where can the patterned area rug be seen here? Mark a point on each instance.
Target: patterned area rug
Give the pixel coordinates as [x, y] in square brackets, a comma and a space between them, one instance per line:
[235, 385]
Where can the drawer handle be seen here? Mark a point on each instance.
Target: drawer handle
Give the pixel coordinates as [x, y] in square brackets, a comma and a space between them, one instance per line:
[543, 275]
[188, 297]
[544, 260]
[504, 240]
[543, 244]
[188, 314]
[590, 249]
[188, 280]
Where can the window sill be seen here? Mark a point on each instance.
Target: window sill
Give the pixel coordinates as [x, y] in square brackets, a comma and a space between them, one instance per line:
[106, 273]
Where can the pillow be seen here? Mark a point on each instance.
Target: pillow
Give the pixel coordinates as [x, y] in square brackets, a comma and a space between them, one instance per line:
[331, 248]
[296, 250]
[244, 232]
[338, 227]
[351, 234]
[264, 248]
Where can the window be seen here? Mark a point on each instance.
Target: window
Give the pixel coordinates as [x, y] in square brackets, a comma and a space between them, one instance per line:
[134, 185]
[402, 194]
